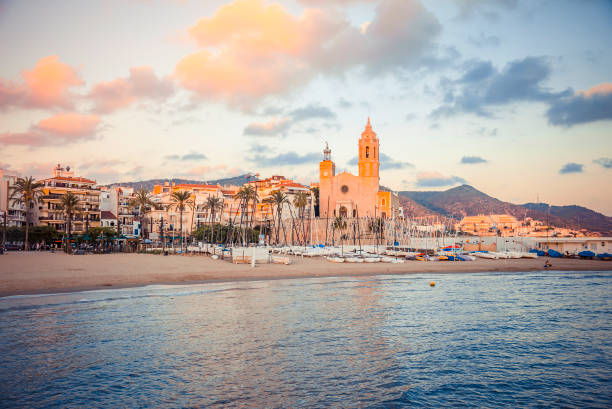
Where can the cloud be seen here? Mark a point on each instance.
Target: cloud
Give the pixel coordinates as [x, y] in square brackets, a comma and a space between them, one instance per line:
[482, 87]
[344, 103]
[311, 111]
[187, 157]
[472, 160]
[281, 126]
[284, 159]
[250, 50]
[142, 83]
[57, 129]
[594, 104]
[605, 162]
[47, 85]
[38, 170]
[386, 162]
[100, 163]
[482, 131]
[486, 8]
[484, 40]
[571, 167]
[410, 116]
[321, 3]
[202, 170]
[270, 128]
[435, 179]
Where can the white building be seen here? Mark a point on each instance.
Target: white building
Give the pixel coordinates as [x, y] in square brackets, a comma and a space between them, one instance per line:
[117, 201]
[15, 211]
[570, 245]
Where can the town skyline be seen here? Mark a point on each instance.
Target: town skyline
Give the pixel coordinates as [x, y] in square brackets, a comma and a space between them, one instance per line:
[510, 97]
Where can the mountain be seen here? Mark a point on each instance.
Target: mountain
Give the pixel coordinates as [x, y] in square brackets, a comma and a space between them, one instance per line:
[148, 184]
[465, 200]
[462, 201]
[577, 215]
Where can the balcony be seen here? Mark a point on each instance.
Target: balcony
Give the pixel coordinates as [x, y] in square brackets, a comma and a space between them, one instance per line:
[53, 196]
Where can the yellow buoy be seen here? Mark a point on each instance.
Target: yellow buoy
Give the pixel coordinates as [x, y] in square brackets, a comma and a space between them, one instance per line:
[432, 284]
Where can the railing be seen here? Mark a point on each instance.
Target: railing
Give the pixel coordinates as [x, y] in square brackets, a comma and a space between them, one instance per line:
[51, 196]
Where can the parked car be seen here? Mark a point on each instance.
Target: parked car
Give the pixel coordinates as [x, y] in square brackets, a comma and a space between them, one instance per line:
[13, 247]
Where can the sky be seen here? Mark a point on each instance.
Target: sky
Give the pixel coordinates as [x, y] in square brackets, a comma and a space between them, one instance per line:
[512, 97]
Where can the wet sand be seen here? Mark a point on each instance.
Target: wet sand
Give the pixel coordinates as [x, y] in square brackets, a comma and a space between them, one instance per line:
[44, 273]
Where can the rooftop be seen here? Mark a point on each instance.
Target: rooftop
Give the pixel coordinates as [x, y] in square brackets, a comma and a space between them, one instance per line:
[105, 214]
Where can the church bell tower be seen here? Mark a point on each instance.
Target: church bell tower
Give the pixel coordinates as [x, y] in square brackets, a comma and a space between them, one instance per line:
[368, 153]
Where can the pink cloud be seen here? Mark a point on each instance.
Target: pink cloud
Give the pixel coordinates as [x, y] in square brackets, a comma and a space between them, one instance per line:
[250, 49]
[47, 85]
[38, 170]
[202, 170]
[57, 129]
[269, 128]
[601, 89]
[142, 83]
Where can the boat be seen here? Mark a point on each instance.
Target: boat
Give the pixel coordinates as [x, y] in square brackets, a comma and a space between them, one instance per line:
[353, 260]
[604, 256]
[525, 254]
[465, 257]
[335, 259]
[393, 260]
[554, 254]
[586, 254]
[371, 259]
[485, 255]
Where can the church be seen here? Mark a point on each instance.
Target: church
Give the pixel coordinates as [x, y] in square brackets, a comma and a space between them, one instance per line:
[351, 195]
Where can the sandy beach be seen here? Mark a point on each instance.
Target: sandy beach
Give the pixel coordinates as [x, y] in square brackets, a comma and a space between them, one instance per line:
[41, 273]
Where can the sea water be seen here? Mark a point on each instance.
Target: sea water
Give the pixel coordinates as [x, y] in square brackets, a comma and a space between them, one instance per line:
[473, 340]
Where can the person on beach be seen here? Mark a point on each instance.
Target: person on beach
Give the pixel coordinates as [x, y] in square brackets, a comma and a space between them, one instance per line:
[547, 264]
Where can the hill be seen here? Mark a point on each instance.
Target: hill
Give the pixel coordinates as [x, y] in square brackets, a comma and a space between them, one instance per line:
[148, 184]
[577, 215]
[465, 200]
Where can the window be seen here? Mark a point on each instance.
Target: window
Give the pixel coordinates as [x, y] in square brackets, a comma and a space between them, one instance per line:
[367, 151]
[383, 202]
[374, 156]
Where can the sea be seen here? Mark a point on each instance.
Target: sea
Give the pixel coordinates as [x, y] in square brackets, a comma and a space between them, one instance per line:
[486, 340]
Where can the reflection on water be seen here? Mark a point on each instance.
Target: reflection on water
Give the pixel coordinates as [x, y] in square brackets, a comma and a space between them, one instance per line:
[526, 339]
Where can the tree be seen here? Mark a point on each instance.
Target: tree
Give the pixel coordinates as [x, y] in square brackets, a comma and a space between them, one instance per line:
[246, 194]
[142, 200]
[26, 191]
[279, 199]
[213, 204]
[69, 203]
[300, 201]
[339, 223]
[181, 200]
[315, 192]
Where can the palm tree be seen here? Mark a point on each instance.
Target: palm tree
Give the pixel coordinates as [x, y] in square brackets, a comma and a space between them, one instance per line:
[181, 200]
[69, 203]
[315, 192]
[142, 200]
[26, 191]
[213, 204]
[300, 201]
[279, 199]
[339, 223]
[246, 194]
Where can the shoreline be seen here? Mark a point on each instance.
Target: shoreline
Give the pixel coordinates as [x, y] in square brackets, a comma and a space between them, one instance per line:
[36, 273]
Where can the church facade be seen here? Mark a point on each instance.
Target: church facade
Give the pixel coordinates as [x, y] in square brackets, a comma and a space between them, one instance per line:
[349, 195]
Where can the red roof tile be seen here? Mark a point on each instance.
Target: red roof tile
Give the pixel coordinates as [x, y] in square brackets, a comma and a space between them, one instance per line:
[105, 214]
